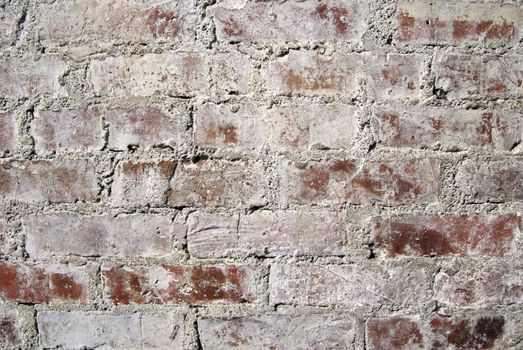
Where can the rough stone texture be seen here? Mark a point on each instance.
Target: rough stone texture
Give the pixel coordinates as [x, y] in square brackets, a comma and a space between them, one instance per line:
[294, 174]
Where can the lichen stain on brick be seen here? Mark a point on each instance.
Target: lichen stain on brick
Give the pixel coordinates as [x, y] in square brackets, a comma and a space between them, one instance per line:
[163, 23]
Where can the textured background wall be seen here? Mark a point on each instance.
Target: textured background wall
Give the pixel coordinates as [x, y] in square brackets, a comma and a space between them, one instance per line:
[261, 175]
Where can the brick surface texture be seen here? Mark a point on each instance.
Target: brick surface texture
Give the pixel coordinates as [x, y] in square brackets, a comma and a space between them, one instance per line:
[261, 174]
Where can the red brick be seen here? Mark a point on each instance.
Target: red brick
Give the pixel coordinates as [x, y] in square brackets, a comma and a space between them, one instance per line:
[393, 76]
[465, 76]
[479, 283]
[8, 132]
[291, 21]
[142, 183]
[394, 333]
[114, 330]
[217, 183]
[363, 286]
[67, 130]
[495, 181]
[136, 235]
[95, 21]
[179, 284]
[277, 332]
[468, 332]
[282, 128]
[446, 234]
[175, 74]
[458, 23]
[445, 128]
[142, 126]
[49, 181]
[353, 181]
[43, 283]
[27, 78]
[310, 74]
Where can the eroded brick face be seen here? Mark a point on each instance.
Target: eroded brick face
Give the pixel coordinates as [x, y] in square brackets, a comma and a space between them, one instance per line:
[458, 23]
[179, 284]
[247, 174]
[356, 181]
[436, 235]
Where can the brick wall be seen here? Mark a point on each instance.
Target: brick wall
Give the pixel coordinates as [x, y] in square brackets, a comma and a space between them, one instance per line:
[199, 174]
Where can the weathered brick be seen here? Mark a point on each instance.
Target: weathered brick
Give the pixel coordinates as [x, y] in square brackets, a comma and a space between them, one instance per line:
[16, 327]
[231, 72]
[292, 232]
[266, 233]
[67, 130]
[216, 183]
[110, 330]
[446, 234]
[445, 128]
[485, 283]
[8, 132]
[142, 183]
[278, 332]
[212, 234]
[310, 73]
[365, 286]
[508, 133]
[27, 78]
[282, 128]
[338, 20]
[495, 181]
[466, 76]
[9, 18]
[394, 333]
[393, 76]
[179, 284]
[94, 21]
[458, 331]
[353, 181]
[142, 126]
[457, 23]
[464, 331]
[43, 283]
[175, 74]
[135, 235]
[49, 180]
